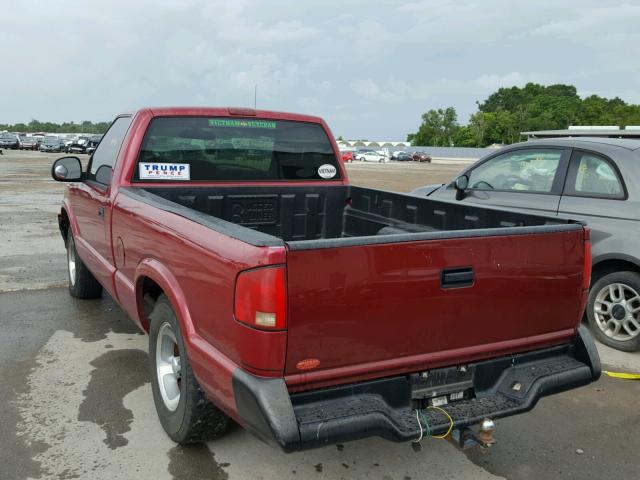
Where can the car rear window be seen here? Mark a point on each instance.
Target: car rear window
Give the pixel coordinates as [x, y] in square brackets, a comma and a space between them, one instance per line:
[595, 177]
[234, 149]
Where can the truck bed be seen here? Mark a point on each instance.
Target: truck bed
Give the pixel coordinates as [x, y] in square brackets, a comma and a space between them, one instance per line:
[383, 283]
[329, 216]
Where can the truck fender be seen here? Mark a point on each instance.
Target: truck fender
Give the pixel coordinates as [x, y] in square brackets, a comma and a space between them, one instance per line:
[213, 370]
[73, 221]
[160, 274]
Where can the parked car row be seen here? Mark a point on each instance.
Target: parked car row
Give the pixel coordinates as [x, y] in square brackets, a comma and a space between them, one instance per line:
[367, 155]
[50, 143]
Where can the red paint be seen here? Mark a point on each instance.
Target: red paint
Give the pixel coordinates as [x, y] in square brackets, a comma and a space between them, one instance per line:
[587, 259]
[383, 303]
[351, 313]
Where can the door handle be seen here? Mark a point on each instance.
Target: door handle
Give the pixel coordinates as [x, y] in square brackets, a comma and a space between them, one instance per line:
[457, 277]
[101, 211]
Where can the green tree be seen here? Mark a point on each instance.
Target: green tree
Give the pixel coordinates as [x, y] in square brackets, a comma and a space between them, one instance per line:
[438, 128]
[508, 111]
[464, 137]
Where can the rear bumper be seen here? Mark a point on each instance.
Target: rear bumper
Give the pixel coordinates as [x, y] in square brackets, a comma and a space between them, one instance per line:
[383, 407]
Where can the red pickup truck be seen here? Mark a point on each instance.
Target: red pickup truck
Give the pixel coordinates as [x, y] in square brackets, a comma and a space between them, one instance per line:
[309, 310]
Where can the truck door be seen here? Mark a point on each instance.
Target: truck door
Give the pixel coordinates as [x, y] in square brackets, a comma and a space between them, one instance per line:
[528, 179]
[92, 203]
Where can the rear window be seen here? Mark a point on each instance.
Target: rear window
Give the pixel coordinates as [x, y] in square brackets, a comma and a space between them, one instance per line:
[235, 149]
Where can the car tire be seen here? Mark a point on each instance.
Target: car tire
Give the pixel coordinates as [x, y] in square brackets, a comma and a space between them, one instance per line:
[185, 413]
[82, 283]
[611, 301]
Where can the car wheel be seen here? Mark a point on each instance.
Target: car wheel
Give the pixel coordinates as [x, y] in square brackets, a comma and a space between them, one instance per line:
[613, 310]
[183, 409]
[82, 283]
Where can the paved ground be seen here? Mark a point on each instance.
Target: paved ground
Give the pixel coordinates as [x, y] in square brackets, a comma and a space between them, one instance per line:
[77, 401]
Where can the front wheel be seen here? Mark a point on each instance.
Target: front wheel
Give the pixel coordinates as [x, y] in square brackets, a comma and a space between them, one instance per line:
[82, 283]
[183, 409]
[613, 310]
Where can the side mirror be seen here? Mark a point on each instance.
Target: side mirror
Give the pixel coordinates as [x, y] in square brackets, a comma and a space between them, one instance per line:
[104, 174]
[67, 169]
[461, 184]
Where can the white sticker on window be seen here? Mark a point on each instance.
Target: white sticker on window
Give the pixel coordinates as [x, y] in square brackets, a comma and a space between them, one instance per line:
[327, 171]
[164, 171]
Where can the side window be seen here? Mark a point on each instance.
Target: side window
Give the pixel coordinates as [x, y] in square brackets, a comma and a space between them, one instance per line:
[593, 176]
[529, 170]
[108, 148]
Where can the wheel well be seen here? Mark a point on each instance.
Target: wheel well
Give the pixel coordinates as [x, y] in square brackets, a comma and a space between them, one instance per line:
[609, 266]
[148, 294]
[64, 225]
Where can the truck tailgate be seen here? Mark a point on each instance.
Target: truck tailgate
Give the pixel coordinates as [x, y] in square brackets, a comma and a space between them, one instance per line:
[367, 310]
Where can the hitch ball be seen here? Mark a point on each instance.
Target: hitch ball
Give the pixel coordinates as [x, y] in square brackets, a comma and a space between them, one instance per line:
[485, 436]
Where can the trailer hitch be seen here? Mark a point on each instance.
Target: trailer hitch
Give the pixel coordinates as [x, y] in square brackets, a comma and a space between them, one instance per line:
[465, 438]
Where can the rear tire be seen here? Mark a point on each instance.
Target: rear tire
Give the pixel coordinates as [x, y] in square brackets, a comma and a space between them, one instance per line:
[185, 413]
[612, 300]
[82, 283]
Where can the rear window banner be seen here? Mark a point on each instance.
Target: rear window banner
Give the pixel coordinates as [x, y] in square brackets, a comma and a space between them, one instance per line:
[240, 123]
[327, 171]
[164, 171]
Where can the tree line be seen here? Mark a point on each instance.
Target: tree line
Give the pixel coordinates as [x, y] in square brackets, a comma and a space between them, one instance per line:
[50, 127]
[509, 111]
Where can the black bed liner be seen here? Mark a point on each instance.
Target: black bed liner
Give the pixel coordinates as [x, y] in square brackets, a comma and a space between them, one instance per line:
[313, 217]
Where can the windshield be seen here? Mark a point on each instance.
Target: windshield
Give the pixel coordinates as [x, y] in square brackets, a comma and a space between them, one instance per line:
[218, 149]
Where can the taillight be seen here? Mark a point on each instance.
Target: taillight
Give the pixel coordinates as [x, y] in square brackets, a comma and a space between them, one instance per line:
[260, 300]
[587, 259]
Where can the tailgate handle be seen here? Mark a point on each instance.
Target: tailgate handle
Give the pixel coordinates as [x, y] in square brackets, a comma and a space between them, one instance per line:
[456, 277]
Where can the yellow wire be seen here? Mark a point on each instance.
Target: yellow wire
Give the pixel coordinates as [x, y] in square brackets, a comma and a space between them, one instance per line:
[627, 376]
[450, 420]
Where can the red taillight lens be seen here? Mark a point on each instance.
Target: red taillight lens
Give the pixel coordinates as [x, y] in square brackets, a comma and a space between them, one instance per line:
[587, 259]
[261, 298]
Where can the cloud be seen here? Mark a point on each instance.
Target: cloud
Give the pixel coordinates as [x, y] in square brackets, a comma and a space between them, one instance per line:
[371, 68]
[393, 91]
[494, 81]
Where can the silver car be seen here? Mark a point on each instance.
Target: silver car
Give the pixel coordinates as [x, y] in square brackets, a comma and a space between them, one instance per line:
[371, 157]
[595, 180]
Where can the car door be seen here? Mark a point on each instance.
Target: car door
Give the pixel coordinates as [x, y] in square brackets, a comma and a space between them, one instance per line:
[527, 179]
[91, 204]
[595, 193]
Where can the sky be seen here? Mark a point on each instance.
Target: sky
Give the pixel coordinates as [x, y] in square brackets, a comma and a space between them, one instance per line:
[369, 68]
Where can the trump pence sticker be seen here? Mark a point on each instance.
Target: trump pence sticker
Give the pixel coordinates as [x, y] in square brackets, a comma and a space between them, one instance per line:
[164, 171]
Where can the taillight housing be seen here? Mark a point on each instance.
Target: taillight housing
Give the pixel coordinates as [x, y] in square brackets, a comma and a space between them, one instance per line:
[587, 259]
[261, 298]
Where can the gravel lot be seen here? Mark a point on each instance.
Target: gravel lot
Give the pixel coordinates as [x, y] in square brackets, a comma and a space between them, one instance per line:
[77, 400]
